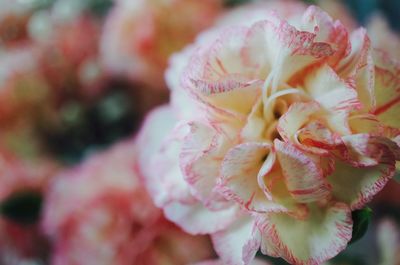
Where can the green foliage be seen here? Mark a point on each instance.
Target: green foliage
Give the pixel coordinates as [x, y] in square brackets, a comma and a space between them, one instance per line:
[23, 207]
[232, 3]
[100, 7]
[397, 176]
[361, 220]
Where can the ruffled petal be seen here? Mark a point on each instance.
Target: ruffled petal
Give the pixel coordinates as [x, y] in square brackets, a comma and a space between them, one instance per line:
[303, 176]
[201, 155]
[220, 262]
[240, 171]
[218, 75]
[297, 115]
[330, 91]
[358, 68]
[328, 31]
[195, 219]
[369, 150]
[238, 244]
[158, 160]
[313, 240]
[274, 46]
[387, 90]
[357, 186]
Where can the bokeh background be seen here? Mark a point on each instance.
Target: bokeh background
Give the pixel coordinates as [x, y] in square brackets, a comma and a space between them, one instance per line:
[77, 78]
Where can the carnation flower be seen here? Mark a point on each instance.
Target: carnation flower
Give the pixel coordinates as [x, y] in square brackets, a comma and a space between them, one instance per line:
[99, 213]
[219, 262]
[22, 185]
[140, 35]
[278, 131]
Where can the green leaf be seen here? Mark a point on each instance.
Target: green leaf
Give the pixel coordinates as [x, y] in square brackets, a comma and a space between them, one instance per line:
[100, 7]
[22, 207]
[361, 220]
[397, 176]
[232, 3]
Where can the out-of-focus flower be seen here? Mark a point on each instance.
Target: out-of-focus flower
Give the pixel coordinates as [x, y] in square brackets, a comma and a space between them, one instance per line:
[23, 88]
[99, 213]
[14, 17]
[337, 10]
[55, 93]
[291, 121]
[388, 234]
[139, 36]
[219, 262]
[22, 187]
[383, 38]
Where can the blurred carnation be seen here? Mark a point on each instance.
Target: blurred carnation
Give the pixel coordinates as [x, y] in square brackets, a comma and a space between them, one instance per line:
[22, 188]
[219, 262]
[278, 131]
[140, 35]
[99, 213]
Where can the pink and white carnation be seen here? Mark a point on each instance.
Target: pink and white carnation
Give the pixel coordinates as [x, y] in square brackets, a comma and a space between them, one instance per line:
[99, 213]
[275, 133]
[140, 35]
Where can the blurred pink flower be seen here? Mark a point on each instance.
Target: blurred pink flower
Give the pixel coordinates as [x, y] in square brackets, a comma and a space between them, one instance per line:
[219, 262]
[277, 131]
[99, 213]
[382, 37]
[140, 35]
[388, 235]
[20, 236]
[14, 19]
[337, 10]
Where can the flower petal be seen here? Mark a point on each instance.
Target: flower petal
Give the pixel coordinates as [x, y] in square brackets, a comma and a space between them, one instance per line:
[218, 75]
[330, 91]
[196, 219]
[239, 176]
[220, 262]
[387, 90]
[303, 176]
[358, 68]
[368, 150]
[200, 157]
[277, 47]
[158, 159]
[238, 244]
[296, 116]
[317, 238]
[357, 186]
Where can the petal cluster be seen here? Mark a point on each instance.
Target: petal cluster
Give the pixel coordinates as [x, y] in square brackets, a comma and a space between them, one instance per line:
[278, 130]
[139, 36]
[99, 213]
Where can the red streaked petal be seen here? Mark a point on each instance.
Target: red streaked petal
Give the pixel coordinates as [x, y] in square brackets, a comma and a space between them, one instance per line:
[313, 240]
[238, 244]
[304, 178]
[239, 176]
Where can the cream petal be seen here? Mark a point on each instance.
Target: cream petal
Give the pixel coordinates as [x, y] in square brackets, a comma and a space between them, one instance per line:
[239, 177]
[356, 186]
[158, 160]
[303, 176]
[313, 240]
[195, 219]
[200, 158]
[387, 90]
[238, 244]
